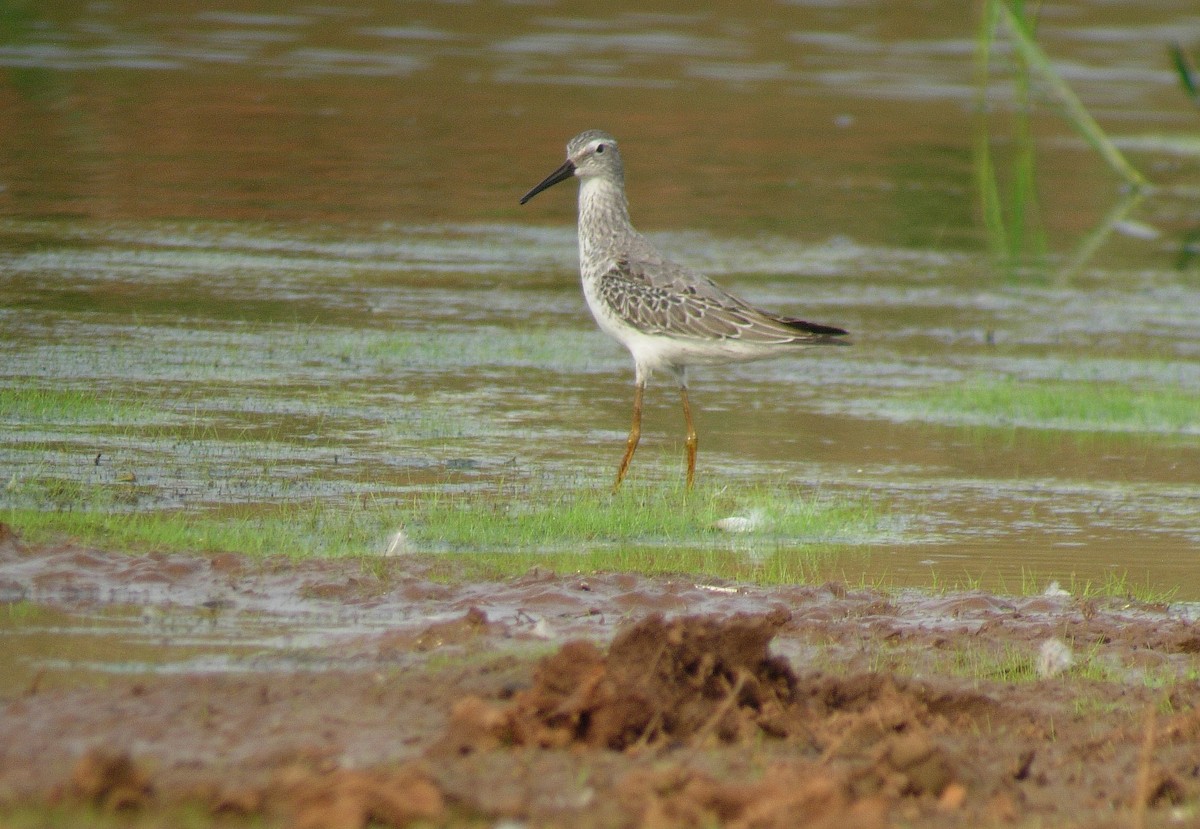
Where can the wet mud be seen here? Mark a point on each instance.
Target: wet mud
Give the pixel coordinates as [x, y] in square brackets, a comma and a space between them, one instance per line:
[616, 700]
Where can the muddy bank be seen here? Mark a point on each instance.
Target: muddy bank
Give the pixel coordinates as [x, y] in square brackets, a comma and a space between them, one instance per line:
[382, 693]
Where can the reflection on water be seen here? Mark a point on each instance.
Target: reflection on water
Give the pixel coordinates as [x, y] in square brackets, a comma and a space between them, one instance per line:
[291, 242]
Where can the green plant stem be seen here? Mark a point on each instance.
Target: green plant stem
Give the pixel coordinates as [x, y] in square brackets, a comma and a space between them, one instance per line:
[1076, 112]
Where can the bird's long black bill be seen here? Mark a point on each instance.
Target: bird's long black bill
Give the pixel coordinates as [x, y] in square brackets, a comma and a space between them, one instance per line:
[561, 174]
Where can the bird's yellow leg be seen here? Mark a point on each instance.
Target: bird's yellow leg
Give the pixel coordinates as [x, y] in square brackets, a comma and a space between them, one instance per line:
[692, 439]
[635, 434]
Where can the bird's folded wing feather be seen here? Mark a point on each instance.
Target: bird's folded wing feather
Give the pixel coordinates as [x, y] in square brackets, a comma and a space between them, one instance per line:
[683, 304]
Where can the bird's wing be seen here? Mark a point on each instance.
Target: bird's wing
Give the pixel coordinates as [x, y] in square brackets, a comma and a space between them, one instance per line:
[661, 297]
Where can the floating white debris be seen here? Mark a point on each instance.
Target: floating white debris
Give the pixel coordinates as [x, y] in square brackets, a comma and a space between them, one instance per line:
[734, 524]
[399, 545]
[1137, 230]
[716, 588]
[741, 523]
[542, 630]
[1054, 657]
[510, 823]
[1052, 589]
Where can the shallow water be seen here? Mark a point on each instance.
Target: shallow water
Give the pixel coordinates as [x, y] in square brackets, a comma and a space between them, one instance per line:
[280, 257]
[72, 617]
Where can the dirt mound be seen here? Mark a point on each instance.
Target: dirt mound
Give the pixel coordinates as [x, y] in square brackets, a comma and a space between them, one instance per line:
[661, 683]
[669, 683]
[704, 682]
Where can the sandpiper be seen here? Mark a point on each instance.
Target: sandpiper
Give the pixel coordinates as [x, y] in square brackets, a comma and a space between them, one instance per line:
[669, 317]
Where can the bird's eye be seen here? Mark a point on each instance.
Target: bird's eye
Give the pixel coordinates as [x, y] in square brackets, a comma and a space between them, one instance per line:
[599, 149]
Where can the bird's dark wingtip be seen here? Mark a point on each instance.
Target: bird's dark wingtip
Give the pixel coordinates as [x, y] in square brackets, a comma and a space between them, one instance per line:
[814, 327]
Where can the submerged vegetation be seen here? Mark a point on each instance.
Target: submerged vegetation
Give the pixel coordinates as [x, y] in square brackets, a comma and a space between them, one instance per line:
[31, 405]
[764, 534]
[1088, 406]
[1032, 583]
[784, 532]
[526, 517]
[508, 517]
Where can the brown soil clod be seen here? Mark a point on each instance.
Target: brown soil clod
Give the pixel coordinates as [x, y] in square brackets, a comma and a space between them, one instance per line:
[662, 682]
[348, 799]
[787, 795]
[471, 625]
[920, 763]
[110, 780]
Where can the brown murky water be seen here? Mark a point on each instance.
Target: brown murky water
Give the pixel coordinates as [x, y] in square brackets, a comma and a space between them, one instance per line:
[256, 256]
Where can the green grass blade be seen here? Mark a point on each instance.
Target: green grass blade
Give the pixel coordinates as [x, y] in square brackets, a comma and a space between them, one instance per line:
[989, 195]
[991, 204]
[1077, 113]
[1029, 239]
[1099, 234]
[1187, 75]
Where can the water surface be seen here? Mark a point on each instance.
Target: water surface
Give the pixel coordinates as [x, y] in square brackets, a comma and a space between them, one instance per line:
[258, 257]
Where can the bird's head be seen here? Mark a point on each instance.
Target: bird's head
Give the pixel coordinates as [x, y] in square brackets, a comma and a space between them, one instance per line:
[591, 154]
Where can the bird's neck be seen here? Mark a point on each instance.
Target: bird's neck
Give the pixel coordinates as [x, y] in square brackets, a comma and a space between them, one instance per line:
[603, 218]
